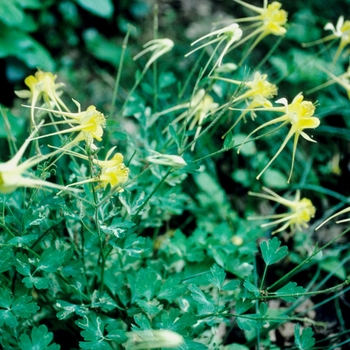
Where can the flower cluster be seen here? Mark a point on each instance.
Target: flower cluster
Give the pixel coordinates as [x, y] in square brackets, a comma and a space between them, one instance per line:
[85, 126]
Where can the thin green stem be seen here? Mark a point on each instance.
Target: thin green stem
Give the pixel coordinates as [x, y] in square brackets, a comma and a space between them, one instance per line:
[263, 277]
[152, 193]
[316, 251]
[120, 68]
[296, 295]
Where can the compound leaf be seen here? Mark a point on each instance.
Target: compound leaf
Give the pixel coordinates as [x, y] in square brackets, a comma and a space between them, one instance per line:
[272, 252]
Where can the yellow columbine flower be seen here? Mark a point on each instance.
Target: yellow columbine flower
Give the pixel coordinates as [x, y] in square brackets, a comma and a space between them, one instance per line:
[301, 211]
[199, 108]
[340, 31]
[230, 34]
[14, 175]
[158, 47]
[299, 115]
[270, 20]
[113, 171]
[89, 123]
[42, 86]
[257, 95]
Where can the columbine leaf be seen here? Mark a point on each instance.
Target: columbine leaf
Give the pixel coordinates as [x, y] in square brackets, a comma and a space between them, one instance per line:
[7, 317]
[174, 135]
[50, 260]
[37, 282]
[229, 141]
[290, 288]
[103, 300]
[22, 264]
[243, 305]
[93, 327]
[306, 340]
[6, 259]
[39, 340]
[263, 309]
[23, 307]
[148, 283]
[171, 289]
[69, 308]
[247, 324]
[216, 276]
[142, 323]
[272, 252]
[232, 285]
[250, 286]
[23, 240]
[198, 295]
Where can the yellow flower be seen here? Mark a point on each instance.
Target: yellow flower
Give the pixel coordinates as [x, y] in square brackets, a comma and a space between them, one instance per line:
[270, 20]
[301, 211]
[230, 34]
[89, 123]
[257, 95]
[14, 175]
[42, 85]
[159, 48]
[299, 115]
[199, 108]
[340, 31]
[113, 171]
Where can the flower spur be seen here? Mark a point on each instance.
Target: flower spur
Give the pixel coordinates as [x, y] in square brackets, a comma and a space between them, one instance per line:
[299, 115]
[301, 211]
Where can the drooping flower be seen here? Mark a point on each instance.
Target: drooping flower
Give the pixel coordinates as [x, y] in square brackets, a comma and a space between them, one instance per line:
[89, 124]
[14, 174]
[299, 115]
[270, 20]
[230, 34]
[153, 339]
[166, 159]
[198, 109]
[158, 47]
[42, 85]
[301, 211]
[340, 31]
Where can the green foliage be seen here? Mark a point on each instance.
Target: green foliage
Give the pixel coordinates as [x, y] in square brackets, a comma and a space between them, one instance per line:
[272, 252]
[305, 340]
[136, 231]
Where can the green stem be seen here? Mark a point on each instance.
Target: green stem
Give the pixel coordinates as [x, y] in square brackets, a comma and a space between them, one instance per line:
[152, 193]
[296, 295]
[263, 277]
[316, 251]
[120, 68]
